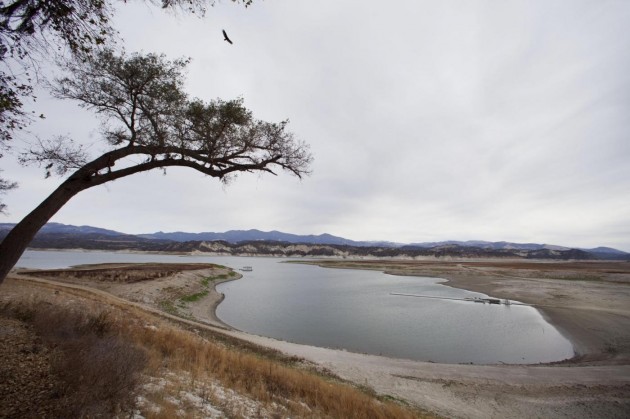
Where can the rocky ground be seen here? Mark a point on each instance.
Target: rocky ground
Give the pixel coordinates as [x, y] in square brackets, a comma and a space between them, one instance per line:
[27, 384]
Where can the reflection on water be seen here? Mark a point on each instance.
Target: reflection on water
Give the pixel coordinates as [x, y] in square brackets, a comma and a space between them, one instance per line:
[354, 310]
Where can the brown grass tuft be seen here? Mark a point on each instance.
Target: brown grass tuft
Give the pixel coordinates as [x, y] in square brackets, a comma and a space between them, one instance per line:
[264, 380]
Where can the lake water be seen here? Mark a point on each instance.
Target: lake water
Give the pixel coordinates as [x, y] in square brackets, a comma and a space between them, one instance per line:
[354, 310]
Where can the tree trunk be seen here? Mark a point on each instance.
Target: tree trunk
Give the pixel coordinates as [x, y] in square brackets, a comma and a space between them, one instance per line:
[21, 235]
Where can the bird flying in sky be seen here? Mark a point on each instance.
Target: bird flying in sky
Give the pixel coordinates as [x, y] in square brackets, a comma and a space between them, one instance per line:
[225, 37]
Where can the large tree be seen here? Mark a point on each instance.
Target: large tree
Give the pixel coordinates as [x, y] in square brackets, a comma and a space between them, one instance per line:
[150, 123]
[36, 31]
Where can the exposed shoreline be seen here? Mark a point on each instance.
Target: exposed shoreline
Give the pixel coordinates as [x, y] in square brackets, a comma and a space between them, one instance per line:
[574, 389]
[586, 326]
[587, 346]
[189, 293]
[582, 345]
[205, 309]
[594, 315]
[575, 325]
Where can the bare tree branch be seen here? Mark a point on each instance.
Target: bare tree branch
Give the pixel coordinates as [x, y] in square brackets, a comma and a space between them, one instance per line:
[5, 186]
[141, 101]
[60, 154]
[37, 31]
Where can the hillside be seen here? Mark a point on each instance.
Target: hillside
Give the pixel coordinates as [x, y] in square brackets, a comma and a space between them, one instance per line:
[275, 243]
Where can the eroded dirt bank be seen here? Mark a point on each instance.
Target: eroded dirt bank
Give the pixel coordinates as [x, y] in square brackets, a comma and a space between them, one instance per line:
[185, 290]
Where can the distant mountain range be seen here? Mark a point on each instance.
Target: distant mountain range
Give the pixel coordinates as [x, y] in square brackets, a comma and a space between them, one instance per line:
[235, 236]
[256, 242]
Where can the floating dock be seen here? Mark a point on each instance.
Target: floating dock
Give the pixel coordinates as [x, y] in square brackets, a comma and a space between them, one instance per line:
[488, 300]
[470, 299]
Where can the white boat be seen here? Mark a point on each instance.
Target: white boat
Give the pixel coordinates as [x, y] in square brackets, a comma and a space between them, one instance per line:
[247, 269]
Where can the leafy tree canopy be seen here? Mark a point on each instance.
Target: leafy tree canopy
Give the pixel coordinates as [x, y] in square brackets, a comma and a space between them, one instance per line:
[149, 122]
[145, 111]
[32, 31]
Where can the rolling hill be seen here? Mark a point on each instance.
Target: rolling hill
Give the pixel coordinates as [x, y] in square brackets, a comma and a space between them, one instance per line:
[276, 243]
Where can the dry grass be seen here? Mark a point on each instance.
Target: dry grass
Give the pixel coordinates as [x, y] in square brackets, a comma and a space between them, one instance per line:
[301, 392]
[195, 372]
[97, 370]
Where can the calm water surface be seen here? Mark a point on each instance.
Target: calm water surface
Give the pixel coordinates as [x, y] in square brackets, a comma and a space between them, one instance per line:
[353, 310]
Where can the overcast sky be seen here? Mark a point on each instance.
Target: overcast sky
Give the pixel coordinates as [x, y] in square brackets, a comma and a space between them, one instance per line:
[428, 120]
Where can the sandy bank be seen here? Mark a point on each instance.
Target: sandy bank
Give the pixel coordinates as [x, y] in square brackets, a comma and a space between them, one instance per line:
[205, 309]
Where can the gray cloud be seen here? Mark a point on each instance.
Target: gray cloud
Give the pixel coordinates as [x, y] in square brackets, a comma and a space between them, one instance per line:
[428, 121]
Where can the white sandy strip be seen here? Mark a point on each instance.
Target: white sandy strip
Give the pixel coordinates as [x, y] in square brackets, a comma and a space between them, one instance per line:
[431, 384]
